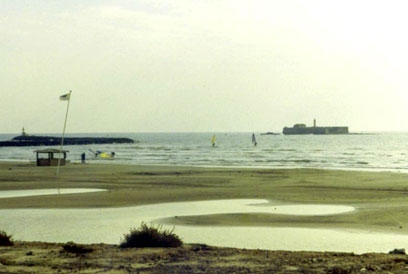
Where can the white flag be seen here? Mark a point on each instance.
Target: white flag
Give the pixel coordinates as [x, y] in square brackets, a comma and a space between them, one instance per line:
[65, 97]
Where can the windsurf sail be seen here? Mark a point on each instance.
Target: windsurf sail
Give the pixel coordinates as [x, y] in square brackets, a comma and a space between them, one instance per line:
[107, 155]
[103, 155]
[254, 139]
[213, 139]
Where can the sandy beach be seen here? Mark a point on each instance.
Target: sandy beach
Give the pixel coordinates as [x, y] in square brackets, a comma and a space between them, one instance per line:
[379, 199]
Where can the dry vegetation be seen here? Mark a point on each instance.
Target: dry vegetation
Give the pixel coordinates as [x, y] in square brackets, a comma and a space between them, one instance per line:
[34, 257]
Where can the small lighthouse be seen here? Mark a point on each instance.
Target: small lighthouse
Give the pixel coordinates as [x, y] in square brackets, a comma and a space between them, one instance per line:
[314, 122]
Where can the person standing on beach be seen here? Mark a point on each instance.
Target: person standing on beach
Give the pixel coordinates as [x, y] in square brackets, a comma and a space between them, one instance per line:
[83, 158]
[213, 139]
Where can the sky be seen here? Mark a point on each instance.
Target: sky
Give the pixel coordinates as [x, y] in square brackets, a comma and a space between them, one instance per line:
[203, 66]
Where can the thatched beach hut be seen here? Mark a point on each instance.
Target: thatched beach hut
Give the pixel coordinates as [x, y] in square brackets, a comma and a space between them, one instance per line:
[52, 157]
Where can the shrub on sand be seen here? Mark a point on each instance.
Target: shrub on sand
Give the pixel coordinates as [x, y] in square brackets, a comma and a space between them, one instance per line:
[72, 247]
[151, 236]
[5, 239]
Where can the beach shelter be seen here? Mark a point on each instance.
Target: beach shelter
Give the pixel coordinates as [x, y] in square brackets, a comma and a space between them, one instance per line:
[51, 156]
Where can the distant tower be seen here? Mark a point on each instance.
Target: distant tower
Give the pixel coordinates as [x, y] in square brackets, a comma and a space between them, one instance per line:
[23, 132]
[314, 122]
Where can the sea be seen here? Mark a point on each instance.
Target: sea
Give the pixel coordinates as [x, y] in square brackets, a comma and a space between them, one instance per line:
[376, 151]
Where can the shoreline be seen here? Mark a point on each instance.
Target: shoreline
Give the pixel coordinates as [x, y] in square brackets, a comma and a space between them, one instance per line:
[123, 163]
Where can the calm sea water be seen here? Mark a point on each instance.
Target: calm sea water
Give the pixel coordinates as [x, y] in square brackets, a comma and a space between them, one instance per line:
[371, 152]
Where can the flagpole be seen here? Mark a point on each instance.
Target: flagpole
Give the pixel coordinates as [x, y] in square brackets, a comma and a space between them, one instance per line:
[63, 132]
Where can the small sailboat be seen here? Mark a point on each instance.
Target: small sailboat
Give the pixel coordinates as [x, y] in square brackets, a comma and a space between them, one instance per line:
[254, 139]
[103, 155]
[106, 155]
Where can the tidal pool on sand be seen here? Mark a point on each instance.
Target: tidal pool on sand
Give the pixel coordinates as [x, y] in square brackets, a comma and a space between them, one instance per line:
[108, 225]
[45, 191]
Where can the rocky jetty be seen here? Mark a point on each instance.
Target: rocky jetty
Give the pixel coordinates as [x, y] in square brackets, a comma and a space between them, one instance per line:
[31, 140]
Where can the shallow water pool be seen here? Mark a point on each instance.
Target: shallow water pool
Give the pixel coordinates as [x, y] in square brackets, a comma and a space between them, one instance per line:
[51, 191]
[108, 225]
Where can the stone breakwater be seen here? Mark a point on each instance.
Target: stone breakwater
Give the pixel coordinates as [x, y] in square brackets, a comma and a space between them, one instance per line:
[28, 140]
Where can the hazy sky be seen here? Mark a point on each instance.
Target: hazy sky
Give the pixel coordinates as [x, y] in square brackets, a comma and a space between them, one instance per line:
[215, 65]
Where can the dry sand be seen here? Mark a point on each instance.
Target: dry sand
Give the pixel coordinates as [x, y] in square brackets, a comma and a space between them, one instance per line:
[381, 200]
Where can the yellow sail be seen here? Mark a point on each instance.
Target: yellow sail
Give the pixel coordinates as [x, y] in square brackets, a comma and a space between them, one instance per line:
[213, 139]
[106, 155]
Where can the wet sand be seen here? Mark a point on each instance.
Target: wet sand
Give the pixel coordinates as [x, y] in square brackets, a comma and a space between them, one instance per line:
[379, 197]
[380, 200]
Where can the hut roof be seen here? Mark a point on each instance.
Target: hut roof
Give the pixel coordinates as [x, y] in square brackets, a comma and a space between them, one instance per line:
[50, 150]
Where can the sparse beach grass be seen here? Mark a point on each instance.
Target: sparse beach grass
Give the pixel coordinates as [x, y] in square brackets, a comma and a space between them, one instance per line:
[5, 239]
[150, 236]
